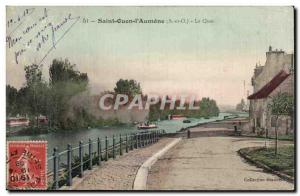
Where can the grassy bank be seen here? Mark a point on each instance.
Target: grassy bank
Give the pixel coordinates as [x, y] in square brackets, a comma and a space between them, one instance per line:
[289, 137]
[282, 162]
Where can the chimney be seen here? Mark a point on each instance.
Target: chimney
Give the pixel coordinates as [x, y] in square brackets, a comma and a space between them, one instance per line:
[270, 48]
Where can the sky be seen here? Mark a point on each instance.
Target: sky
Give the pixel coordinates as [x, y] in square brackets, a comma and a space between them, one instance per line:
[203, 59]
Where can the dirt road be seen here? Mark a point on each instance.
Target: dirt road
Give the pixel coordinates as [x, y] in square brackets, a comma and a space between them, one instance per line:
[211, 163]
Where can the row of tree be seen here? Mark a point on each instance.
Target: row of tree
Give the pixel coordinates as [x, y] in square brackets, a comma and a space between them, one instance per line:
[49, 98]
[207, 108]
[52, 98]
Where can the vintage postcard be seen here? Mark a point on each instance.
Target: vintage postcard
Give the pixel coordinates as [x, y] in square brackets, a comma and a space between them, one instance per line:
[163, 98]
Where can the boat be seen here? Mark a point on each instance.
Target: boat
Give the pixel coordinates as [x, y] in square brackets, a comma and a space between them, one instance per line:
[225, 117]
[186, 121]
[42, 119]
[177, 117]
[147, 126]
[17, 121]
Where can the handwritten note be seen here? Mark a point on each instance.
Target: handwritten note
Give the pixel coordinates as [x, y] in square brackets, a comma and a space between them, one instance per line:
[36, 31]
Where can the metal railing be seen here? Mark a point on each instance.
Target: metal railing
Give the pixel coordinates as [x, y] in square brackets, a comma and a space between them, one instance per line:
[73, 161]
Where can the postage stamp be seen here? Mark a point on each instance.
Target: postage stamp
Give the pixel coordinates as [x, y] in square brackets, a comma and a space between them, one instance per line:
[26, 165]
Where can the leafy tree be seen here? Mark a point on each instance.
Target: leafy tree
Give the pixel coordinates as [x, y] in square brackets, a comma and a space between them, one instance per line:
[50, 99]
[22, 101]
[35, 91]
[207, 108]
[65, 82]
[128, 87]
[11, 100]
[64, 71]
[281, 104]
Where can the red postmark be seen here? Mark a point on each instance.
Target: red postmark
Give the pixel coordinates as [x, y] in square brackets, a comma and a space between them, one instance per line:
[26, 165]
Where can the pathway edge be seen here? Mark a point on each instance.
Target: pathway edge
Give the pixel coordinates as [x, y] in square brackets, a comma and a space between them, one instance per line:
[140, 181]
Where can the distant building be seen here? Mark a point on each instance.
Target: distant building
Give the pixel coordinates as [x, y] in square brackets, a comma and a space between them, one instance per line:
[275, 76]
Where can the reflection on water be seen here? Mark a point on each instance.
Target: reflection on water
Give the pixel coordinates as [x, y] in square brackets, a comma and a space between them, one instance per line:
[61, 139]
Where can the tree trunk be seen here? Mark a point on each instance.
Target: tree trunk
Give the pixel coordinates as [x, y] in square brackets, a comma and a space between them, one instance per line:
[37, 120]
[287, 126]
[292, 123]
[276, 136]
[266, 136]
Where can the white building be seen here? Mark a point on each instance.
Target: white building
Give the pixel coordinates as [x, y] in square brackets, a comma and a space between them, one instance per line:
[275, 76]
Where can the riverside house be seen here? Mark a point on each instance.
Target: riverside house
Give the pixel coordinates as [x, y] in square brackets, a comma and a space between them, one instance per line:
[268, 80]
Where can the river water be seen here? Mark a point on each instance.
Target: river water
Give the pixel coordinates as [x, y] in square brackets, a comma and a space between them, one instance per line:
[61, 139]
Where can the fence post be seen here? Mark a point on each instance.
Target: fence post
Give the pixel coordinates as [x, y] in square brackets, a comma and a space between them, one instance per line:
[131, 141]
[146, 139]
[136, 141]
[159, 134]
[140, 140]
[99, 151]
[188, 133]
[90, 154]
[114, 146]
[69, 183]
[152, 138]
[81, 159]
[126, 143]
[143, 139]
[55, 168]
[121, 151]
[106, 148]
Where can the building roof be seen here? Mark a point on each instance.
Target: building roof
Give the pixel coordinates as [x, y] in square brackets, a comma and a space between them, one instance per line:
[270, 86]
